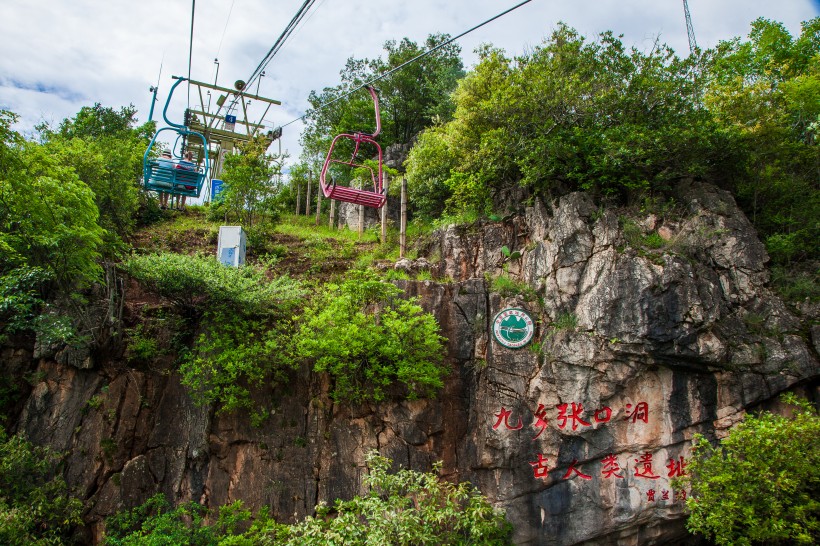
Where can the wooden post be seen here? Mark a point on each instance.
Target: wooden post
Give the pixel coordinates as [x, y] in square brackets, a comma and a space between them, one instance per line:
[298, 197]
[384, 212]
[361, 213]
[307, 197]
[332, 222]
[403, 224]
[318, 204]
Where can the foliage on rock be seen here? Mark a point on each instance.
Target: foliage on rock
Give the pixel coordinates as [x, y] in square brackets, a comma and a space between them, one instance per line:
[368, 340]
[406, 508]
[400, 509]
[200, 282]
[35, 505]
[761, 484]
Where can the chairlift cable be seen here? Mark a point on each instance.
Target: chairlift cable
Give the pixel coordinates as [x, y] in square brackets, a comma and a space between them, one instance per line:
[224, 30]
[302, 24]
[414, 59]
[191, 50]
[291, 26]
[300, 14]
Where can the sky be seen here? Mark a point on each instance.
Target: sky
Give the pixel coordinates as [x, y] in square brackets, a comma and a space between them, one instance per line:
[57, 56]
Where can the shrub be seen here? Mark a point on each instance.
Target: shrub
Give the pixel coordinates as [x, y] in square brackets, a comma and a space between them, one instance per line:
[507, 287]
[154, 523]
[369, 340]
[405, 508]
[760, 484]
[35, 507]
[235, 355]
[197, 281]
[401, 509]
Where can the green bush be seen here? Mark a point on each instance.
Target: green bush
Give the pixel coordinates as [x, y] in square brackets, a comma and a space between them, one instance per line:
[233, 356]
[369, 340]
[401, 509]
[404, 509]
[156, 524]
[200, 281]
[761, 484]
[140, 347]
[21, 297]
[506, 287]
[35, 505]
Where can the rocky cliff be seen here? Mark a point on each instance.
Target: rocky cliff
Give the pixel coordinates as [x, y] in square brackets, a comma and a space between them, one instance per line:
[643, 334]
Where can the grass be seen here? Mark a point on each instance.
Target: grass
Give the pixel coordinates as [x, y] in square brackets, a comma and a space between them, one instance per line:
[565, 321]
[797, 284]
[507, 286]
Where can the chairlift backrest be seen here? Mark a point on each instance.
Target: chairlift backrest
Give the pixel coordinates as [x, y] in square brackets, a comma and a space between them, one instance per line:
[176, 177]
[374, 198]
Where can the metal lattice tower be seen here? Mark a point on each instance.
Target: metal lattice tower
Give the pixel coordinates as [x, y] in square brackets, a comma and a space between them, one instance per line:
[691, 31]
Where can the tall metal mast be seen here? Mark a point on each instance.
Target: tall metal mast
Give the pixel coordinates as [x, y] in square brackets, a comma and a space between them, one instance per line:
[691, 31]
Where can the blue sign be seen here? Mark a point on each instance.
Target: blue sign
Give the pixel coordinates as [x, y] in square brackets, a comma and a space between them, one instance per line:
[217, 186]
[230, 119]
[228, 256]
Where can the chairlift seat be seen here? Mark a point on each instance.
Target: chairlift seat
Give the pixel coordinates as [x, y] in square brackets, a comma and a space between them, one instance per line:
[374, 198]
[158, 176]
[175, 177]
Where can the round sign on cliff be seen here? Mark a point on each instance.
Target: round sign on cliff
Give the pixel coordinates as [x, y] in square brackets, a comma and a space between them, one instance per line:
[513, 328]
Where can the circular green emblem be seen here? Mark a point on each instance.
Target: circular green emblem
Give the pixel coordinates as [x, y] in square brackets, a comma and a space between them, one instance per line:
[513, 328]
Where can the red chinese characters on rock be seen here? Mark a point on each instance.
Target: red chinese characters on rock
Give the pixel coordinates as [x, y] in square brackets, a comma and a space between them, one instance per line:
[541, 420]
[574, 417]
[676, 468]
[504, 415]
[643, 467]
[574, 470]
[611, 467]
[603, 415]
[571, 416]
[639, 413]
[540, 469]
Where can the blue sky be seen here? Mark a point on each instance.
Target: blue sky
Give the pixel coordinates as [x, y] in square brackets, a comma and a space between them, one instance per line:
[57, 56]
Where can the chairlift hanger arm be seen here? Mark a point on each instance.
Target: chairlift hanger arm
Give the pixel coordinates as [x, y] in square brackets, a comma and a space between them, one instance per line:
[209, 115]
[235, 92]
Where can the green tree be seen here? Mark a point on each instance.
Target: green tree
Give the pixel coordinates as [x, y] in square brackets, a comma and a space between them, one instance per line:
[370, 341]
[48, 218]
[104, 147]
[570, 115]
[765, 92]
[35, 505]
[761, 484]
[249, 183]
[410, 99]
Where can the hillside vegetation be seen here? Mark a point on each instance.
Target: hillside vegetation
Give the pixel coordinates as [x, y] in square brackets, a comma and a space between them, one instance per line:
[89, 261]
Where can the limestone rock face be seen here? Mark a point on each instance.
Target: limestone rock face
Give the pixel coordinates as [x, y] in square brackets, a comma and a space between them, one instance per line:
[577, 436]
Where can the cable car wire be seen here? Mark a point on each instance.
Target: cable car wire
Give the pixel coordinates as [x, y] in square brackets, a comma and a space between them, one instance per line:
[227, 20]
[414, 59]
[191, 50]
[300, 14]
[291, 26]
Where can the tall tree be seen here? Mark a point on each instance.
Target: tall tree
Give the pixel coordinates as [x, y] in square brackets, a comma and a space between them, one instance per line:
[104, 146]
[765, 92]
[249, 181]
[411, 98]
